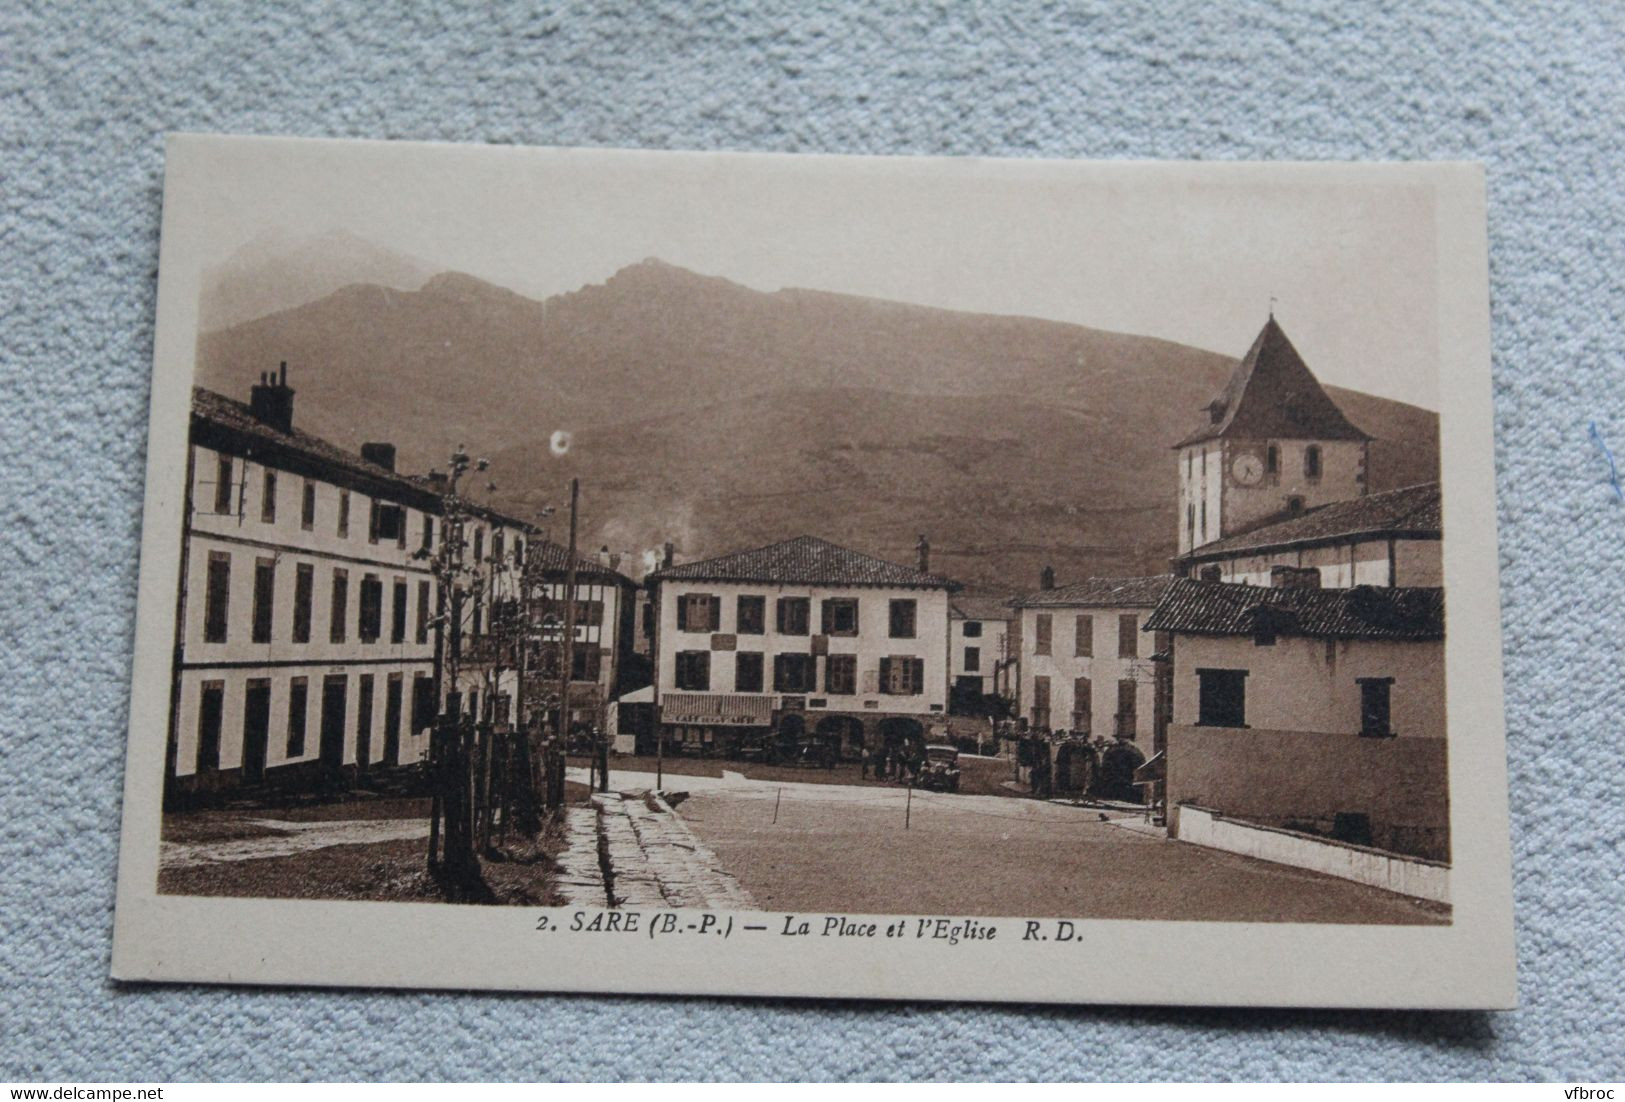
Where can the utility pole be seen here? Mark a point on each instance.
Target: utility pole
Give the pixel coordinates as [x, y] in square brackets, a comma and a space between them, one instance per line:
[567, 648]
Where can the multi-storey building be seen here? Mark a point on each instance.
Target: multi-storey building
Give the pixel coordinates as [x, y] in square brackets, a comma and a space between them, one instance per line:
[308, 615]
[605, 610]
[980, 660]
[1086, 665]
[800, 638]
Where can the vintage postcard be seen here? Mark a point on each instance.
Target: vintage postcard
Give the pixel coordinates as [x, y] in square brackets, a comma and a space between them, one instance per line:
[595, 570]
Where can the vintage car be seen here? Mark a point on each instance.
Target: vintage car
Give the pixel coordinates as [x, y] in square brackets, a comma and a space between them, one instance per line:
[940, 770]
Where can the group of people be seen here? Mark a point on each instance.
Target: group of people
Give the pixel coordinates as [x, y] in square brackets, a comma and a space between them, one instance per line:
[894, 761]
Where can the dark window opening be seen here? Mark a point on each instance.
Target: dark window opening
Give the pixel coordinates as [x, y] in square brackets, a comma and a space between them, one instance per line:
[694, 670]
[1043, 633]
[794, 673]
[841, 674]
[264, 599]
[339, 609]
[268, 498]
[1272, 460]
[1127, 708]
[1376, 702]
[298, 706]
[973, 659]
[903, 615]
[372, 608]
[344, 514]
[423, 612]
[1221, 698]
[1040, 716]
[304, 586]
[1082, 705]
[840, 616]
[210, 713]
[388, 522]
[794, 616]
[217, 597]
[1311, 461]
[397, 623]
[748, 672]
[699, 612]
[1128, 635]
[363, 722]
[973, 629]
[1083, 643]
[222, 485]
[751, 614]
[307, 506]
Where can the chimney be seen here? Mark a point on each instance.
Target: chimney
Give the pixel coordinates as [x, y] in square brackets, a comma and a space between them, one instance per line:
[437, 481]
[615, 561]
[271, 401]
[379, 453]
[668, 556]
[1046, 578]
[603, 556]
[924, 550]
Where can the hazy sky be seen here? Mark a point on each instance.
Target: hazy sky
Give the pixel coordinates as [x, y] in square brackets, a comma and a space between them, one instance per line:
[1190, 253]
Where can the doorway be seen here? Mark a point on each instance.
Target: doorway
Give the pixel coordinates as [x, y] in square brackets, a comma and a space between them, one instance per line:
[256, 729]
[334, 690]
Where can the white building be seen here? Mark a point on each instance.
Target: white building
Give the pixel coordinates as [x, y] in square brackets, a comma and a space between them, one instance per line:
[800, 637]
[1274, 445]
[1387, 539]
[604, 623]
[980, 659]
[307, 616]
[1087, 667]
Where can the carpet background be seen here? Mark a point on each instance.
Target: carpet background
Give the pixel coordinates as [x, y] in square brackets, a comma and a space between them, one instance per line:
[86, 95]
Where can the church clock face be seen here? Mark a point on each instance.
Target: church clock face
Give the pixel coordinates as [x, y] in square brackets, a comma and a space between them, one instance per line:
[1247, 469]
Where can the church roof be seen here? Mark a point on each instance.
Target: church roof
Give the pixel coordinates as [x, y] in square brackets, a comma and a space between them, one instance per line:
[1274, 395]
[1411, 512]
[1364, 612]
[805, 560]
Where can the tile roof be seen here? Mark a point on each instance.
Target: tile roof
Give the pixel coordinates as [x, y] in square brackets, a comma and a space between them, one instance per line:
[1274, 395]
[1101, 593]
[213, 412]
[553, 558]
[1412, 511]
[1364, 612]
[968, 606]
[805, 560]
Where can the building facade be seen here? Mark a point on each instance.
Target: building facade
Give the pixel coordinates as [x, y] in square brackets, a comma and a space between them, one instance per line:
[604, 635]
[1087, 666]
[308, 615]
[981, 662]
[800, 639]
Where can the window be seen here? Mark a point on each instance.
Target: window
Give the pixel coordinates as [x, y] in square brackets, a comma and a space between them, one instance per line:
[268, 498]
[387, 522]
[794, 616]
[973, 629]
[586, 663]
[1127, 708]
[473, 702]
[478, 627]
[1043, 633]
[397, 623]
[748, 672]
[307, 506]
[1311, 461]
[222, 485]
[210, 712]
[497, 548]
[304, 586]
[902, 676]
[217, 597]
[1128, 635]
[694, 670]
[372, 608]
[840, 616]
[902, 618]
[973, 659]
[1083, 637]
[392, 719]
[1040, 716]
[298, 706]
[841, 674]
[1190, 519]
[423, 612]
[1221, 698]
[518, 551]
[423, 702]
[264, 598]
[1272, 460]
[502, 709]
[428, 532]
[699, 612]
[794, 673]
[340, 606]
[1083, 703]
[591, 613]
[1376, 706]
[344, 514]
[363, 720]
[479, 544]
[751, 614]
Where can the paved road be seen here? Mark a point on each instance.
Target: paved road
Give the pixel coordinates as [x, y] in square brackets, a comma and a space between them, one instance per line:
[845, 848]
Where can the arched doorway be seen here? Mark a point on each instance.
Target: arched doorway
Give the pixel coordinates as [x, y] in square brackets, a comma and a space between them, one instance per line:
[843, 735]
[1075, 766]
[1115, 778]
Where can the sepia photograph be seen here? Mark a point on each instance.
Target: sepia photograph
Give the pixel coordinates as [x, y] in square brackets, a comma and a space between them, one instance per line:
[898, 556]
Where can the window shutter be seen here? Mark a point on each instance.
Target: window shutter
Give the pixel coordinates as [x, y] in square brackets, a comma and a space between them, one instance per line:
[682, 613]
[885, 675]
[826, 617]
[716, 613]
[917, 676]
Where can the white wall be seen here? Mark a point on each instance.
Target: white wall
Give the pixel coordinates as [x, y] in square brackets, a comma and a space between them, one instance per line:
[871, 644]
[1302, 684]
[1416, 562]
[1206, 474]
[1063, 666]
[990, 645]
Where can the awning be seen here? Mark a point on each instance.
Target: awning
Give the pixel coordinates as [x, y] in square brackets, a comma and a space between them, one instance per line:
[717, 709]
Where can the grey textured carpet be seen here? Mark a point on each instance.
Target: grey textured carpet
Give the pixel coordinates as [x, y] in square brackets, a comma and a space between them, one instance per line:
[1533, 90]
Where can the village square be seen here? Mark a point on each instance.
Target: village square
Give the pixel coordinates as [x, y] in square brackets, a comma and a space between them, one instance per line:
[387, 687]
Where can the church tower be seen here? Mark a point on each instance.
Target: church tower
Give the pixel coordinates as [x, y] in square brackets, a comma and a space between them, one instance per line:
[1274, 444]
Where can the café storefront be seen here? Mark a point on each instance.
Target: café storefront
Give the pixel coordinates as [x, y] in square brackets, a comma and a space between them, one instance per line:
[714, 723]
